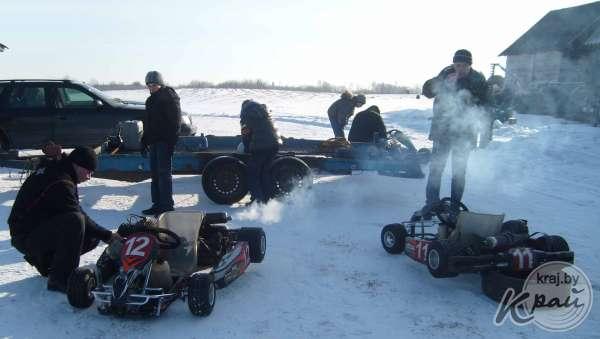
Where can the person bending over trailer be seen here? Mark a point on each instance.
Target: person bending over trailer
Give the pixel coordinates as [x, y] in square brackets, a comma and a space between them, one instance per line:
[367, 126]
[341, 110]
[47, 223]
[261, 140]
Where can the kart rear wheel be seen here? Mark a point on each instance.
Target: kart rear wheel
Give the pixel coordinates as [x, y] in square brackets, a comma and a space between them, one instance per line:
[551, 243]
[257, 241]
[515, 227]
[494, 283]
[393, 238]
[287, 174]
[224, 180]
[202, 294]
[80, 285]
[437, 260]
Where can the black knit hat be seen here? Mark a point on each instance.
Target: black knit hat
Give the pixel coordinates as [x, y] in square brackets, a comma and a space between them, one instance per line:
[154, 77]
[462, 55]
[84, 157]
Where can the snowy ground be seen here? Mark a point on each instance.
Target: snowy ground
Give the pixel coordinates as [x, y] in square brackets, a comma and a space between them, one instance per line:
[325, 273]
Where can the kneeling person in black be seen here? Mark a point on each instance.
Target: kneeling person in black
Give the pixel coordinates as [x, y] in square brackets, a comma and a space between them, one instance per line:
[366, 125]
[262, 141]
[47, 223]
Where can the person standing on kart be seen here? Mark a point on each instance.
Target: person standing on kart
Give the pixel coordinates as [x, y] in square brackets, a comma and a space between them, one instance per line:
[261, 140]
[47, 223]
[161, 132]
[341, 110]
[459, 115]
[367, 125]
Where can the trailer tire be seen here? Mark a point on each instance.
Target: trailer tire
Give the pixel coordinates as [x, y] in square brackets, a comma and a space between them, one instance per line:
[288, 173]
[224, 180]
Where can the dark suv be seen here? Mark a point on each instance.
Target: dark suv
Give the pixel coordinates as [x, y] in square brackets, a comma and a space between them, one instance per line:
[69, 113]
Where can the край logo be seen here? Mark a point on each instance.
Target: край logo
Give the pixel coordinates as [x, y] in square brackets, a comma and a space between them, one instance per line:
[557, 296]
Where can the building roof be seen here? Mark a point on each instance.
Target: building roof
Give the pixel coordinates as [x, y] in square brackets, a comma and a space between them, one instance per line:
[558, 29]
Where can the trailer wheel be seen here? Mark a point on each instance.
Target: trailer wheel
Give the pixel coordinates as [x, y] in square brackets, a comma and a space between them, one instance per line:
[288, 173]
[257, 241]
[495, 283]
[224, 180]
[201, 294]
[393, 238]
[437, 260]
[80, 285]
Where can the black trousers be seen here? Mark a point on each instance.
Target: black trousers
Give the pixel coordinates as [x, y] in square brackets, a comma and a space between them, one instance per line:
[439, 156]
[57, 243]
[259, 176]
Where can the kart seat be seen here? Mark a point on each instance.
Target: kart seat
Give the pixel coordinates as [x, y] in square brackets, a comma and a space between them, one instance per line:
[183, 259]
[479, 224]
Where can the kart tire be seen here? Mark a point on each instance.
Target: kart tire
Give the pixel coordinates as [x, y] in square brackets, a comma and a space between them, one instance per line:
[437, 260]
[393, 238]
[257, 242]
[224, 180]
[551, 243]
[515, 227]
[202, 294]
[495, 283]
[80, 285]
[286, 174]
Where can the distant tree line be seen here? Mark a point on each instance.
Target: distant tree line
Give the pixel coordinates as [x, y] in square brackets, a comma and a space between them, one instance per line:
[321, 86]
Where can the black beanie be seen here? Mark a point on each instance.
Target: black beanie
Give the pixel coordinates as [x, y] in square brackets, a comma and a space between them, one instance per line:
[84, 157]
[154, 77]
[462, 55]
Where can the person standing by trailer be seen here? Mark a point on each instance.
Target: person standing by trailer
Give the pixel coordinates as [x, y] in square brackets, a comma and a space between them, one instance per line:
[161, 132]
[261, 140]
[459, 116]
[341, 110]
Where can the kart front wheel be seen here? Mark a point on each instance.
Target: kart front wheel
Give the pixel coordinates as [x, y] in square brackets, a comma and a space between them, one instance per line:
[437, 260]
[257, 241]
[80, 285]
[201, 294]
[393, 238]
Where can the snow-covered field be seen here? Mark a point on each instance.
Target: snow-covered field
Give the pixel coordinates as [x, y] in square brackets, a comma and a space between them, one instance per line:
[325, 273]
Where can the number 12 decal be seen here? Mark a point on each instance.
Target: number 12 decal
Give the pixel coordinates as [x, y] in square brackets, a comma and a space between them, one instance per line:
[140, 243]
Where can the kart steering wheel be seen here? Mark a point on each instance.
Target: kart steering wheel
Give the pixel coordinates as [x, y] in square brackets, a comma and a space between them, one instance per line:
[171, 241]
[392, 133]
[442, 211]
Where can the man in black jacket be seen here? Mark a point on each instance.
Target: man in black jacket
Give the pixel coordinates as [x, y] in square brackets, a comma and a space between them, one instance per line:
[161, 131]
[459, 115]
[366, 125]
[46, 222]
[341, 110]
[262, 141]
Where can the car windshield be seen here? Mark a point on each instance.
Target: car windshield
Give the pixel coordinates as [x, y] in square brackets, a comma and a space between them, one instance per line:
[101, 94]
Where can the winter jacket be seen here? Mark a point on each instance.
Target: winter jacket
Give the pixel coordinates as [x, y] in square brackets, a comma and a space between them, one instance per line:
[49, 191]
[261, 134]
[342, 109]
[163, 117]
[365, 125]
[459, 108]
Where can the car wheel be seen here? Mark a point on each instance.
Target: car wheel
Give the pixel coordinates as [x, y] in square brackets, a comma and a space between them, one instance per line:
[80, 285]
[224, 180]
[393, 238]
[202, 294]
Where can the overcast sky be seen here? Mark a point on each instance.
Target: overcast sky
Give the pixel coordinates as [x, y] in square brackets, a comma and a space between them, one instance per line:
[345, 42]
